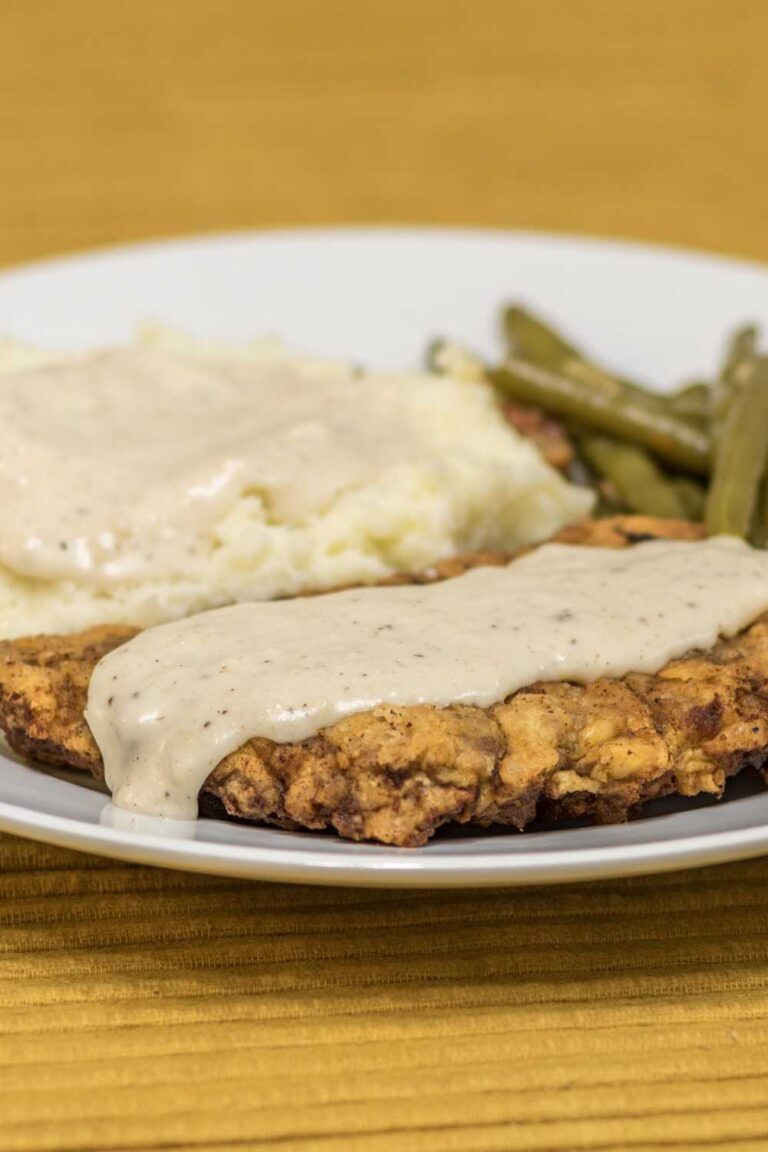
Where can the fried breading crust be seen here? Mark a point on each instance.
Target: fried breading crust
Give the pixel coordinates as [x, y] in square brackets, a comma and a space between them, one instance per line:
[547, 432]
[396, 774]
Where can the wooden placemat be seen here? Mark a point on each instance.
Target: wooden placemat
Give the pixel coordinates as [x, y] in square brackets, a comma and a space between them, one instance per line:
[148, 1010]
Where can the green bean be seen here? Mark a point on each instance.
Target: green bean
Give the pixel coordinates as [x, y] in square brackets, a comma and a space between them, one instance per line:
[693, 402]
[692, 494]
[763, 536]
[641, 485]
[760, 533]
[740, 350]
[445, 358]
[530, 338]
[605, 504]
[619, 413]
[741, 346]
[741, 454]
[433, 355]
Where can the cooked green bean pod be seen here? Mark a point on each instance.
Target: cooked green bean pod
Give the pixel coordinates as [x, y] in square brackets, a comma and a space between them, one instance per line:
[692, 494]
[446, 358]
[530, 338]
[693, 402]
[760, 529]
[641, 485]
[740, 351]
[618, 412]
[742, 453]
[607, 502]
[741, 346]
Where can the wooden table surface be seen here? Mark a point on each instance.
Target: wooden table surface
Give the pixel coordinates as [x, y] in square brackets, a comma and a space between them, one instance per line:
[150, 1010]
[127, 120]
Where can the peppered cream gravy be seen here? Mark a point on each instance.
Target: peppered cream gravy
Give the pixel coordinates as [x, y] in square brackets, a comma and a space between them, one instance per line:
[170, 704]
[151, 448]
[120, 466]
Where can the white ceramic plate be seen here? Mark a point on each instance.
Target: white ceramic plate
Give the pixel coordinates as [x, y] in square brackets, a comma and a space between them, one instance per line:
[379, 296]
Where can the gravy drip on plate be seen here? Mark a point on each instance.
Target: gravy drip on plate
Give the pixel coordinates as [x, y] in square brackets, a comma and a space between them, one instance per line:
[170, 704]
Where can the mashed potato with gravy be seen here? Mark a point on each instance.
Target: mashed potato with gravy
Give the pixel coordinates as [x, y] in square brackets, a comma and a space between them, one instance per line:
[141, 484]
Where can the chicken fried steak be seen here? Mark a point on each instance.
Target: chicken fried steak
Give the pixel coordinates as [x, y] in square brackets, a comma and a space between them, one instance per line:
[396, 774]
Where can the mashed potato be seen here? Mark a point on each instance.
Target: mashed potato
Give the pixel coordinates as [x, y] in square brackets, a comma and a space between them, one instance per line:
[142, 484]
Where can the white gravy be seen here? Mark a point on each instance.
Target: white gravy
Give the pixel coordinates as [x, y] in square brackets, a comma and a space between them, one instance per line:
[117, 465]
[170, 704]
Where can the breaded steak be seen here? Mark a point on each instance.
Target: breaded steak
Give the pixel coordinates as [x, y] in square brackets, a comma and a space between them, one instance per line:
[396, 774]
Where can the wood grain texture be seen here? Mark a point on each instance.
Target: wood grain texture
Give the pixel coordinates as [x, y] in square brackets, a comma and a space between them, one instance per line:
[150, 1010]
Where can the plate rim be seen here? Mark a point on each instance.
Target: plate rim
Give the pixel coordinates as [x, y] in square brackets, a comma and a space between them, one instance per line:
[437, 232]
[392, 867]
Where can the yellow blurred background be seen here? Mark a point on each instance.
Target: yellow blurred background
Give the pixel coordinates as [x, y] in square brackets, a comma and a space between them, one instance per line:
[145, 118]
